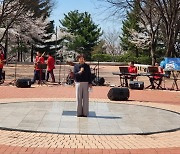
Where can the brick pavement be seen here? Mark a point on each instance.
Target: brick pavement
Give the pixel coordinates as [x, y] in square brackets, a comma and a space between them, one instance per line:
[166, 96]
[26, 142]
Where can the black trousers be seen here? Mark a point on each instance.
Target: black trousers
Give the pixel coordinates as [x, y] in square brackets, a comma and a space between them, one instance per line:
[52, 75]
[1, 74]
[126, 80]
[36, 76]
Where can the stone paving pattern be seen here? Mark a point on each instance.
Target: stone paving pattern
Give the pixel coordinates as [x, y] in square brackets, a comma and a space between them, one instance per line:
[15, 142]
[104, 118]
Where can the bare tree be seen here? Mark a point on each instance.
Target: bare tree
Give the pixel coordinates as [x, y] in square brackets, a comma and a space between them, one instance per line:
[22, 19]
[12, 11]
[169, 10]
[112, 42]
[150, 19]
[155, 14]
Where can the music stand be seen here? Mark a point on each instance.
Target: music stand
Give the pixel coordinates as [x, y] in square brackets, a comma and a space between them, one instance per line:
[123, 77]
[41, 67]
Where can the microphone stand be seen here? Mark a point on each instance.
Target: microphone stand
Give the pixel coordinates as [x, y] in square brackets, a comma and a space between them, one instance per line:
[59, 72]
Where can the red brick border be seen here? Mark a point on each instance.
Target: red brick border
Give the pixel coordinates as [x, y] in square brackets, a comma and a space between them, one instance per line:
[23, 150]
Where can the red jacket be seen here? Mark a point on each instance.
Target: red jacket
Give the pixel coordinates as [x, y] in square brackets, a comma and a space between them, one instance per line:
[50, 63]
[38, 60]
[160, 71]
[1, 59]
[132, 69]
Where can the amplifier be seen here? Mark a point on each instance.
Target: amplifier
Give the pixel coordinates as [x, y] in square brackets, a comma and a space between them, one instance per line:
[98, 81]
[136, 85]
[23, 83]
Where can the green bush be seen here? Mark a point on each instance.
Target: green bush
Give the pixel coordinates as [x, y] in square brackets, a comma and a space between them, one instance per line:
[125, 58]
[122, 58]
[144, 60]
[102, 57]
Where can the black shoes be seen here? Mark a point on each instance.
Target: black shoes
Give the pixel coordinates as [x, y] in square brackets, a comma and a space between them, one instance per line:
[1, 81]
[81, 116]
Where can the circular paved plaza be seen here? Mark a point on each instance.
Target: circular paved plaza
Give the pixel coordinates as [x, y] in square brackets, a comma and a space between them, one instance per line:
[104, 118]
[41, 109]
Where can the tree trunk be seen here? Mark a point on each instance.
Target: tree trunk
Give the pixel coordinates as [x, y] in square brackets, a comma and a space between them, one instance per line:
[18, 56]
[21, 55]
[170, 52]
[153, 49]
[6, 46]
[153, 57]
[32, 49]
[137, 52]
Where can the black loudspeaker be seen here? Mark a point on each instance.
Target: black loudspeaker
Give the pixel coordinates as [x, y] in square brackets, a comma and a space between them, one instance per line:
[98, 81]
[23, 83]
[118, 94]
[3, 75]
[136, 85]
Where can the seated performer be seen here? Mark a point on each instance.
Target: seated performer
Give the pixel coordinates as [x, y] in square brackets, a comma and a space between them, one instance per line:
[38, 60]
[70, 77]
[2, 60]
[131, 69]
[156, 77]
[50, 67]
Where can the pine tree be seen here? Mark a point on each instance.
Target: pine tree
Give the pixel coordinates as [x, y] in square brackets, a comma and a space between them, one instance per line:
[47, 44]
[86, 33]
[130, 23]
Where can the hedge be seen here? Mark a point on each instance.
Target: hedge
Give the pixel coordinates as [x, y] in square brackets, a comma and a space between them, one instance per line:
[121, 58]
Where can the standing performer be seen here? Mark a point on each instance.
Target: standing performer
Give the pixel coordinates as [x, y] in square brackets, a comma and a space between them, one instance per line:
[83, 82]
[38, 60]
[1, 65]
[50, 67]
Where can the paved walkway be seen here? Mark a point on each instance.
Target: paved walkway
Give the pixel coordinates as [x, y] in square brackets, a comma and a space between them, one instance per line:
[22, 142]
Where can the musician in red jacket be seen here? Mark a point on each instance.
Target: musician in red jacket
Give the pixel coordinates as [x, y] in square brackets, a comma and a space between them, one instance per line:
[156, 77]
[38, 60]
[50, 67]
[131, 69]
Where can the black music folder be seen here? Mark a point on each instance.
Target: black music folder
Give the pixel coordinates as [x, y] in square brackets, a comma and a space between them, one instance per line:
[152, 69]
[123, 69]
[42, 66]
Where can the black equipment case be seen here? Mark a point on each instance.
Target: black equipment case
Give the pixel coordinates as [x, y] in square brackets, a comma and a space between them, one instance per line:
[23, 83]
[136, 85]
[98, 81]
[118, 94]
